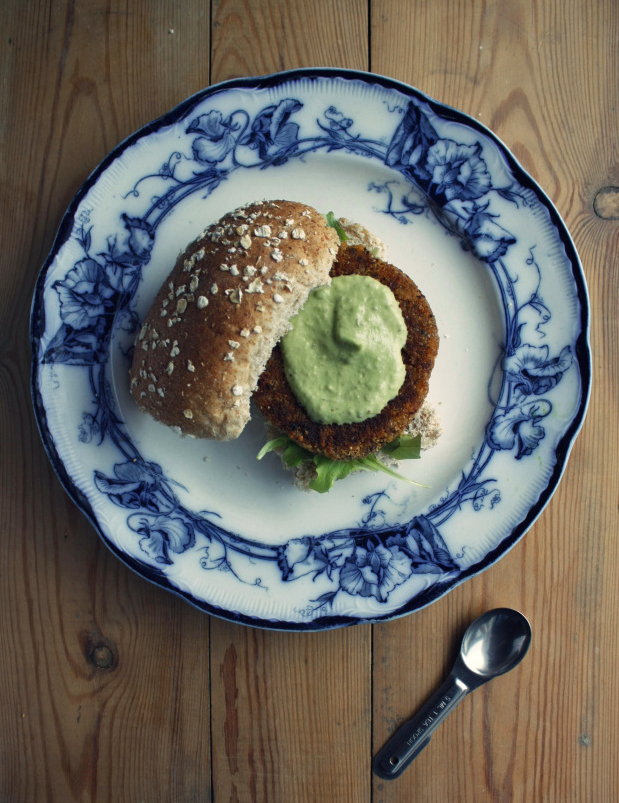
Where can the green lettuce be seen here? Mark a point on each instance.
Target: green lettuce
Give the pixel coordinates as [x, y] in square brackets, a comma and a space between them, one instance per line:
[406, 447]
[334, 223]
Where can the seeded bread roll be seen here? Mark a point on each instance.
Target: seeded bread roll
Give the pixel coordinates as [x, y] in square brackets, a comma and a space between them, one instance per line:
[221, 311]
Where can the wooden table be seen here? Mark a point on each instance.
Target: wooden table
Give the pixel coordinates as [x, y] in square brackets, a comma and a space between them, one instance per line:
[114, 690]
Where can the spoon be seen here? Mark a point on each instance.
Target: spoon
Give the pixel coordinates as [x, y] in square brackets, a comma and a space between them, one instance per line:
[493, 644]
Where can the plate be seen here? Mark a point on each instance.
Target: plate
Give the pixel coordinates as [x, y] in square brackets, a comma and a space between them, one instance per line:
[511, 383]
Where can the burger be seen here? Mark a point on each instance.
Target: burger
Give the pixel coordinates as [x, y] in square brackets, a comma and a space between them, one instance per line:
[297, 313]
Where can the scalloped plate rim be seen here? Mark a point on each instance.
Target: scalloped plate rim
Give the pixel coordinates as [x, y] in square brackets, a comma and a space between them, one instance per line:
[582, 346]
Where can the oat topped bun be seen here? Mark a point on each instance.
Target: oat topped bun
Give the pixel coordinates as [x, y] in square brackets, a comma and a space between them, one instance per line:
[219, 314]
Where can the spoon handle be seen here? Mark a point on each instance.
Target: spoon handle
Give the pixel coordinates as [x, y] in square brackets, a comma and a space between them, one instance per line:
[410, 739]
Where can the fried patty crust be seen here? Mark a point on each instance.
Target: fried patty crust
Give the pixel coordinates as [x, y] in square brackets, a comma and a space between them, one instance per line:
[277, 403]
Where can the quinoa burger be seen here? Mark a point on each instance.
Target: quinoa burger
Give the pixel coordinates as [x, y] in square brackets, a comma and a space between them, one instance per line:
[277, 304]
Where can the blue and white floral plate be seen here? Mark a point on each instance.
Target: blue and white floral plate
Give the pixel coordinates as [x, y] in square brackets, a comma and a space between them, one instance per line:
[511, 383]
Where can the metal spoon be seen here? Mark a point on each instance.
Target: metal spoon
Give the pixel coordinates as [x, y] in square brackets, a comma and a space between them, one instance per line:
[493, 644]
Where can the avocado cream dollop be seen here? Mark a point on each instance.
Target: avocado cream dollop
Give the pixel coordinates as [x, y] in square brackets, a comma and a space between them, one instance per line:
[343, 356]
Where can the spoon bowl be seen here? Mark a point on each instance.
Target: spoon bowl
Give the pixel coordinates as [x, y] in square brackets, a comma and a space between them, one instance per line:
[496, 642]
[493, 644]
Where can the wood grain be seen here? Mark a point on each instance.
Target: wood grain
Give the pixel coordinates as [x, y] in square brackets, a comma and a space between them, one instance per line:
[291, 713]
[258, 38]
[72, 731]
[112, 690]
[519, 68]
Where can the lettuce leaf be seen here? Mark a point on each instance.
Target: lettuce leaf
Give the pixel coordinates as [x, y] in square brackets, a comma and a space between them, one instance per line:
[293, 454]
[406, 447]
[329, 471]
[334, 223]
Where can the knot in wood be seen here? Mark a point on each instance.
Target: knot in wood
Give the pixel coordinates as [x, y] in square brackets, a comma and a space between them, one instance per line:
[102, 655]
[606, 203]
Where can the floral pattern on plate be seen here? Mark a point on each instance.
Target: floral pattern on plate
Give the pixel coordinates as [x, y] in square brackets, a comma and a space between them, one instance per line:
[453, 172]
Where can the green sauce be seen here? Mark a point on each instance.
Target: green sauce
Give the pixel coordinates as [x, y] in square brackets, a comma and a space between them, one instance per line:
[343, 356]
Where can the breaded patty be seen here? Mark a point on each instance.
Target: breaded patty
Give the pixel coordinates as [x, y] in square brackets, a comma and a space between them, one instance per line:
[279, 406]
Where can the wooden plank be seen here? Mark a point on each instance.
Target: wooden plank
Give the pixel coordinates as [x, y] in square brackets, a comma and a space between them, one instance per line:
[273, 35]
[543, 77]
[105, 680]
[77, 77]
[291, 712]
